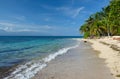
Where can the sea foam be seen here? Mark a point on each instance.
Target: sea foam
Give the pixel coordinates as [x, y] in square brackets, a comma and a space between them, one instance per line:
[28, 70]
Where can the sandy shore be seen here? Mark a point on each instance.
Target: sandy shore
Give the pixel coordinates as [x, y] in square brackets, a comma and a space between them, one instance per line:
[79, 63]
[109, 50]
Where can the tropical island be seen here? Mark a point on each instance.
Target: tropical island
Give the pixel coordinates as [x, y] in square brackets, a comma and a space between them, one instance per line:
[102, 29]
[39, 39]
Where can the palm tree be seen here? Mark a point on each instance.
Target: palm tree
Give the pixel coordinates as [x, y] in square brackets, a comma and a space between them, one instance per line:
[103, 23]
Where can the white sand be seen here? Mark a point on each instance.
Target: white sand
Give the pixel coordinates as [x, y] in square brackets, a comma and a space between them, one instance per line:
[112, 57]
[78, 63]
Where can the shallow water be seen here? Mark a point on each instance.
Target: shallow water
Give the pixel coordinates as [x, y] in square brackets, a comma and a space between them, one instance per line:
[28, 55]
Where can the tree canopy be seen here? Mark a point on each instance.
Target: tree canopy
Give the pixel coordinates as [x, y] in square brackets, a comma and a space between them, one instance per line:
[103, 23]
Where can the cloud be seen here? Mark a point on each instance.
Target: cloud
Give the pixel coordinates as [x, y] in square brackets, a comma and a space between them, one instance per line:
[65, 10]
[6, 24]
[47, 19]
[73, 12]
[33, 29]
[16, 27]
[77, 11]
[4, 28]
[11, 29]
[21, 18]
[47, 27]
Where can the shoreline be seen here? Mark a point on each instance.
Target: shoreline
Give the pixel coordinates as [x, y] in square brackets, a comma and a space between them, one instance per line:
[28, 70]
[82, 66]
[109, 50]
[77, 63]
[6, 71]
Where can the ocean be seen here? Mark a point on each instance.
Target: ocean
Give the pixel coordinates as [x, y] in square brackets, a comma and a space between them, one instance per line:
[21, 57]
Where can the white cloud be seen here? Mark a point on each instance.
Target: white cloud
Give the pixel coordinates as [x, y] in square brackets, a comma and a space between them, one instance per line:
[6, 24]
[70, 11]
[7, 29]
[23, 30]
[77, 11]
[16, 27]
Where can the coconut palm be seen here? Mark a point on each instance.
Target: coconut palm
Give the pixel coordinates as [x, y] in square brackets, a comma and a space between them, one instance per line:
[104, 23]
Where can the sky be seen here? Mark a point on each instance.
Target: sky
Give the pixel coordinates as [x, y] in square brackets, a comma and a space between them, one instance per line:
[46, 17]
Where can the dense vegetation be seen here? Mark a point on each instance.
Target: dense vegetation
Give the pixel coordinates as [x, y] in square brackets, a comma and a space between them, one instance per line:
[103, 23]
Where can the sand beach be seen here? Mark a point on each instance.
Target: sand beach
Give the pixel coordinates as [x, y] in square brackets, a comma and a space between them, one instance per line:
[109, 49]
[79, 63]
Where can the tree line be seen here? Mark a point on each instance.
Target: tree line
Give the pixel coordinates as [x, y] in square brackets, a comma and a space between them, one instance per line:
[103, 23]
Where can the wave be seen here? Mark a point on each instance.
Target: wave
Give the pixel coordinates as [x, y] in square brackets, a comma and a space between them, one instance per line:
[28, 70]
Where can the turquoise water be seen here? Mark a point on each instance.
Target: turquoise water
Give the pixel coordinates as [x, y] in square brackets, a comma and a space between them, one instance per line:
[33, 51]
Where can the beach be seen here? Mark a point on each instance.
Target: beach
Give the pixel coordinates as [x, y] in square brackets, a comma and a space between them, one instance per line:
[110, 51]
[60, 39]
[78, 63]
[70, 58]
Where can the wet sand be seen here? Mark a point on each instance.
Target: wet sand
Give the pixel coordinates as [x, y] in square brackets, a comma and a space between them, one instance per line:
[79, 63]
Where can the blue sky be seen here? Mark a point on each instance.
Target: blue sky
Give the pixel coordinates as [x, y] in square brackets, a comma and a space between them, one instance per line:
[46, 17]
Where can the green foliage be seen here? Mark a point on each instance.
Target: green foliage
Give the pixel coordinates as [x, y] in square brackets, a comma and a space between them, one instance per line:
[86, 35]
[104, 23]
